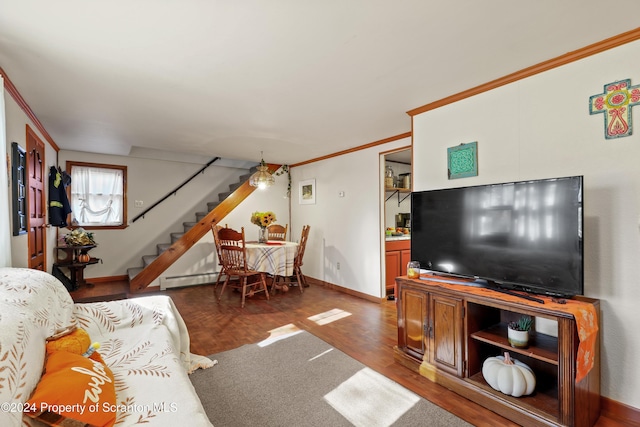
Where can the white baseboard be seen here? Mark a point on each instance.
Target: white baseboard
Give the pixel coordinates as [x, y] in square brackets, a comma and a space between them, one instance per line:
[188, 280]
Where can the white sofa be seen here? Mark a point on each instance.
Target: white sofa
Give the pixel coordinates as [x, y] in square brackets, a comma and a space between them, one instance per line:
[144, 341]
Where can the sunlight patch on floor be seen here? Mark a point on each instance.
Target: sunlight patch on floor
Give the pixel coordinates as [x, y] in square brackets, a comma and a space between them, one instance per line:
[329, 316]
[320, 355]
[369, 399]
[280, 333]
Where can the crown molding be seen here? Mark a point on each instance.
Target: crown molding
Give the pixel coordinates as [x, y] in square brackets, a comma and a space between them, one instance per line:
[354, 149]
[561, 60]
[13, 91]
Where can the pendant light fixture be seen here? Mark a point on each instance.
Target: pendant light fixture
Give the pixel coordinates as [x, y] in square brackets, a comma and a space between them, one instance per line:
[262, 178]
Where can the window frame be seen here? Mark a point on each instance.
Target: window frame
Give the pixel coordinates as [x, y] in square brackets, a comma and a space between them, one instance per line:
[70, 164]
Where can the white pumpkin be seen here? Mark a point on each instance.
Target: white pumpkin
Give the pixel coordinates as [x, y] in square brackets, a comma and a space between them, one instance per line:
[509, 376]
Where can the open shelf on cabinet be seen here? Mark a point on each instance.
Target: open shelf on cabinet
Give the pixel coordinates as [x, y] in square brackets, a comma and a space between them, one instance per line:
[542, 347]
[543, 402]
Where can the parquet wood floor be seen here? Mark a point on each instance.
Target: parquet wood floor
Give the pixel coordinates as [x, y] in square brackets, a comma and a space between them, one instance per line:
[368, 334]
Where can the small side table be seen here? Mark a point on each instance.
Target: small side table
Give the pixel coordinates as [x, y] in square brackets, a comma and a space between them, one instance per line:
[70, 257]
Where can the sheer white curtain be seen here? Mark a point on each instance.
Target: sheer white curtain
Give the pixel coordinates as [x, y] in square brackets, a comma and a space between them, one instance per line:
[97, 195]
[5, 237]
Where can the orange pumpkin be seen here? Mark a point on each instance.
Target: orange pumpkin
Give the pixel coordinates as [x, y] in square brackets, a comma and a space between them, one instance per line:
[84, 258]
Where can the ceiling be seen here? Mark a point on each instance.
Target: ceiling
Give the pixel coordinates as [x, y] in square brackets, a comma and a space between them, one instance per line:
[403, 156]
[296, 79]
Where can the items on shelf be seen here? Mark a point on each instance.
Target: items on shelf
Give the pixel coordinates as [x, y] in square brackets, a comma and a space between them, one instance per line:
[389, 177]
[509, 376]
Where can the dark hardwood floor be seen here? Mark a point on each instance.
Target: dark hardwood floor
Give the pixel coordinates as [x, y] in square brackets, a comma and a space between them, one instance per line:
[368, 334]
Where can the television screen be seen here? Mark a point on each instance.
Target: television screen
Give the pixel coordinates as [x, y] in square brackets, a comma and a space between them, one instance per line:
[523, 235]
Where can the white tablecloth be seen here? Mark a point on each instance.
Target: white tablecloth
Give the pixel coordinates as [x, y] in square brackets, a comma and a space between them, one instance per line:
[276, 259]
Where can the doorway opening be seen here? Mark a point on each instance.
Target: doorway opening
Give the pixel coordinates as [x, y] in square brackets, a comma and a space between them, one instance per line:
[395, 212]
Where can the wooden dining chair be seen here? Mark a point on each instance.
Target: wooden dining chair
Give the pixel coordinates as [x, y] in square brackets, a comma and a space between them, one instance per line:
[216, 240]
[298, 277]
[233, 256]
[277, 232]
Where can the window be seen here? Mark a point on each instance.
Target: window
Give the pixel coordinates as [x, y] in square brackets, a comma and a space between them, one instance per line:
[98, 195]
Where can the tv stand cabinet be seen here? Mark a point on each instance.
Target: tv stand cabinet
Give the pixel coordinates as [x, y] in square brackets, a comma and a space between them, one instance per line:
[446, 334]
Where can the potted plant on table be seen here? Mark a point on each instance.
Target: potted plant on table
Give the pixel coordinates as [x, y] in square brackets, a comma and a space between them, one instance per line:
[518, 332]
[78, 240]
[263, 220]
[78, 237]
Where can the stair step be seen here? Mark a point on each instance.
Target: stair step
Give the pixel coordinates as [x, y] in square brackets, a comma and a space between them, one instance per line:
[162, 247]
[148, 259]
[133, 272]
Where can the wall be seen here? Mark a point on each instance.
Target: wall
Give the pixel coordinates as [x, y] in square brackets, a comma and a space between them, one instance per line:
[149, 180]
[5, 190]
[341, 236]
[540, 127]
[346, 230]
[202, 257]
[16, 122]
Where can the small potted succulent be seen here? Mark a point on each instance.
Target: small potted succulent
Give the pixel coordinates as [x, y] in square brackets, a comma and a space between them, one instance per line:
[518, 332]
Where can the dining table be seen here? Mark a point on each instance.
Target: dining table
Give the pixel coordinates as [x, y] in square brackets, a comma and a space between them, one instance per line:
[273, 257]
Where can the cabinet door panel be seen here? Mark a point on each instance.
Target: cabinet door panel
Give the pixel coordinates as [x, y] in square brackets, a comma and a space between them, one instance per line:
[392, 268]
[446, 349]
[405, 257]
[412, 336]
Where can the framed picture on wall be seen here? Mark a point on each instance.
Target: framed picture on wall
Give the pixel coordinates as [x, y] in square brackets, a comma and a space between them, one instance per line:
[307, 192]
[462, 160]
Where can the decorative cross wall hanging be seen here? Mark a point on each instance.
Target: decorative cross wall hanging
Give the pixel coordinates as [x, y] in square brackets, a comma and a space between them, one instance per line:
[615, 103]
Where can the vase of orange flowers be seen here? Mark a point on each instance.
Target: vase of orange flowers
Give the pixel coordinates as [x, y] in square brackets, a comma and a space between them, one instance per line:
[262, 220]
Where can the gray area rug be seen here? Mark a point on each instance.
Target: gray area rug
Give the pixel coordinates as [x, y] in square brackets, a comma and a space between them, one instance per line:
[300, 380]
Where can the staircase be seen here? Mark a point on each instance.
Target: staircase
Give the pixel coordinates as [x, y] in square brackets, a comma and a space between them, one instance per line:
[180, 242]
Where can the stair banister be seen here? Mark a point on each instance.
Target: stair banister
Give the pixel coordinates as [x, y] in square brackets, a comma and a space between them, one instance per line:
[193, 235]
[175, 190]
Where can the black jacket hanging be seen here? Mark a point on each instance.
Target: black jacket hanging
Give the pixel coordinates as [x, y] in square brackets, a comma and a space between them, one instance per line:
[59, 207]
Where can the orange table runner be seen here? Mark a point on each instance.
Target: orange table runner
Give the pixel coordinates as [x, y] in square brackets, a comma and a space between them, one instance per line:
[584, 314]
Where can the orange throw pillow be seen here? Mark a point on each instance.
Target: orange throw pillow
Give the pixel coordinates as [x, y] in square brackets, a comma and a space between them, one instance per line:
[76, 388]
[76, 341]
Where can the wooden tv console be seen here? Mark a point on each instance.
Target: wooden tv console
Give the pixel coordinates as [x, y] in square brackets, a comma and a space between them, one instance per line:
[446, 333]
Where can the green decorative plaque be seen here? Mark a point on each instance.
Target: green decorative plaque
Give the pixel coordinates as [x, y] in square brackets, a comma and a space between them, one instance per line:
[463, 160]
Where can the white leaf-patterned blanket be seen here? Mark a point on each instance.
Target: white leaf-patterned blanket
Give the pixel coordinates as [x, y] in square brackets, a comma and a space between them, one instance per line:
[143, 340]
[146, 344]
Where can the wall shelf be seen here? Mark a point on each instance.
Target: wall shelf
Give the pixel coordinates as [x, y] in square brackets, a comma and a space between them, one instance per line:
[398, 191]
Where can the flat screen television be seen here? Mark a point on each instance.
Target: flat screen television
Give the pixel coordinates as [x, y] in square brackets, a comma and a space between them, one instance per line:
[524, 235]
